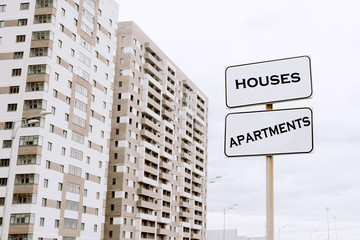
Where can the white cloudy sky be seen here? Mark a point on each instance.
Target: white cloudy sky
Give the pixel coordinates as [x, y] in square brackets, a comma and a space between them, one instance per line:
[203, 37]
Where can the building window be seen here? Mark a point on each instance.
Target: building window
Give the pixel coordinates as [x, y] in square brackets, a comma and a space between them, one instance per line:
[46, 183]
[36, 86]
[22, 22]
[42, 222]
[49, 146]
[18, 55]
[79, 121]
[86, 29]
[12, 107]
[4, 162]
[76, 171]
[16, 72]
[70, 223]
[72, 205]
[3, 181]
[28, 178]
[35, 104]
[24, 198]
[42, 35]
[63, 151]
[45, 3]
[22, 218]
[31, 140]
[47, 18]
[40, 52]
[39, 69]
[20, 237]
[14, 89]
[20, 38]
[73, 188]
[24, 6]
[29, 159]
[7, 143]
[57, 223]
[2, 8]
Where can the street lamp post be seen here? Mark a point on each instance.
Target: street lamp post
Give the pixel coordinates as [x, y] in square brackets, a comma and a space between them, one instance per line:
[231, 207]
[281, 228]
[335, 228]
[203, 185]
[312, 233]
[327, 216]
[24, 122]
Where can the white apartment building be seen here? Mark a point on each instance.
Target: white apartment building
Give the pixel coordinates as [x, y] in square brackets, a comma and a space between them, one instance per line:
[57, 66]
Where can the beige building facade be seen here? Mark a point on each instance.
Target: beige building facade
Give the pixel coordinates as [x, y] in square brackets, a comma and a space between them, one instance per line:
[158, 150]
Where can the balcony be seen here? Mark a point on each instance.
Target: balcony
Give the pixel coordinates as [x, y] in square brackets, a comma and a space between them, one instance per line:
[200, 155]
[185, 214]
[186, 146]
[148, 68]
[165, 165]
[151, 158]
[150, 170]
[145, 204]
[153, 60]
[147, 134]
[196, 189]
[198, 136]
[199, 127]
[185, 204]
[153, 81]
[168, 114]
[146, 192]
[196, 180]
[153, 102]
[148, 229]
[168, 104]
[166, 198]
[156, 94]
[187, 175]
[151, 124]
[198, 208]
[195, 236]
[186, 156]
[163, 231]
[165, 176]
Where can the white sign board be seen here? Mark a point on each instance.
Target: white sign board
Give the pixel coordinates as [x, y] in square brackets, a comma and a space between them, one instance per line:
[271, 132]
[268, 82]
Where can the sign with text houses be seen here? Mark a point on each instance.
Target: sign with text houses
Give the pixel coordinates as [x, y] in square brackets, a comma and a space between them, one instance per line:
[268, 82]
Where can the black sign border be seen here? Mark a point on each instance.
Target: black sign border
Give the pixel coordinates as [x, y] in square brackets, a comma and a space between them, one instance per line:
[264, 154]
[275, 101]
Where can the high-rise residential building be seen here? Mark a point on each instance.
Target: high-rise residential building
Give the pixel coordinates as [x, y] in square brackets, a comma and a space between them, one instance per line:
[57, 67]
[158, 151]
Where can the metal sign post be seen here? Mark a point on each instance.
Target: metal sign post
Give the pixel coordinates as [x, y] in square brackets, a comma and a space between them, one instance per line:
[269, 192]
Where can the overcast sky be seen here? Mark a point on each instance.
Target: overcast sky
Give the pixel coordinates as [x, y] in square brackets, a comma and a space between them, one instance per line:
[203, 37]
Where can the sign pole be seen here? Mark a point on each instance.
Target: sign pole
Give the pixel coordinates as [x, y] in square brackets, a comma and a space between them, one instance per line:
[269, 192]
